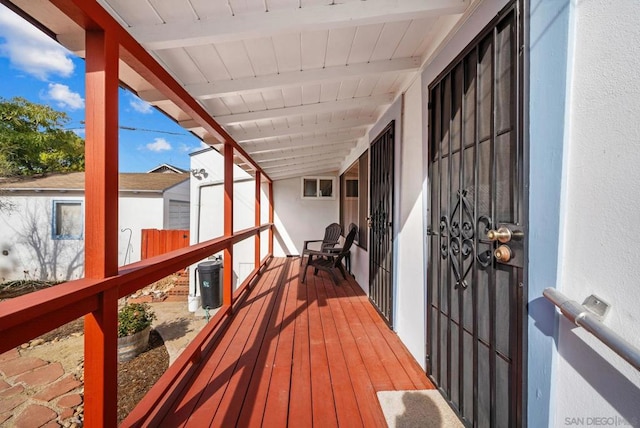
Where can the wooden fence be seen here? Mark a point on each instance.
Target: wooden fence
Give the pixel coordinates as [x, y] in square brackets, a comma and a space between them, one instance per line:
[156, 242]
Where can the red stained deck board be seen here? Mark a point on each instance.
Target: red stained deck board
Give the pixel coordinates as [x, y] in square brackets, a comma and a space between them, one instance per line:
[179, 415]
[373, 324]
[347, 409]
[213, 395]
[322, 398]
[361, 378]
[300, 410]
[407, 362]
[277, 404]
[255, 398]
[375, 368]
[231, 403]
[298, 355]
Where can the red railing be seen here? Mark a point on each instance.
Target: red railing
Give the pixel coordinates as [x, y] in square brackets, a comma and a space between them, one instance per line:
[26, 317]
[160, 241]
[107, 44]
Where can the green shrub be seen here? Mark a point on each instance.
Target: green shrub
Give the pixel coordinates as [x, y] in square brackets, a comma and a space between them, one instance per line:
[134, 317]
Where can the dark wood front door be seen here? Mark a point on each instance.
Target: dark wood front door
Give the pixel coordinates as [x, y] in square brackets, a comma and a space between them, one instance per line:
[476, 223]
[381, 223]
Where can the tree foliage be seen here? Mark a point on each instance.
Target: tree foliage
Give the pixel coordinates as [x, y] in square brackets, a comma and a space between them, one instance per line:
[33, 140]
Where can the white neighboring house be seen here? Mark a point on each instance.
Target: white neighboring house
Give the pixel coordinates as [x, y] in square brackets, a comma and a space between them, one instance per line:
[207, 213]
[42, 234]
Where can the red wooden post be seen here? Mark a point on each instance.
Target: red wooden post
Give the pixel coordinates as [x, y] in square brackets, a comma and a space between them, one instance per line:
[271, 217]
[258, 219]
[227, 284]
[101, 219]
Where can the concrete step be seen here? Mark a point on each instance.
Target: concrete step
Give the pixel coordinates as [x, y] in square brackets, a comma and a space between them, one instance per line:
[176, 298]
[179, 290]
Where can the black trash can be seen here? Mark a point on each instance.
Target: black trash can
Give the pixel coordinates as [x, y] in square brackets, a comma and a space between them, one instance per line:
[210, 281]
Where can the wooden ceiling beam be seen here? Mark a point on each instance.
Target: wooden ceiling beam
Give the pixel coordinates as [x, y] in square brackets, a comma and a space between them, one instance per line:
[254, 147]
[282, 158]
[307, 109]
[303, 129]
[218, 29]
[225, 88]
[90, 15]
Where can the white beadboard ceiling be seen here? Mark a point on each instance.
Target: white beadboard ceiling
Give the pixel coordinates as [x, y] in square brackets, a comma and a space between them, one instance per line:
[296, 82]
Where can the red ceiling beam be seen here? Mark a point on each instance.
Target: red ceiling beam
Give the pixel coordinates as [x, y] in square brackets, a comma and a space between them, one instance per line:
[90, 15]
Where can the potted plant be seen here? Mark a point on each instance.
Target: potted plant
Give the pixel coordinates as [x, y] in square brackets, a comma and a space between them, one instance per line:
[134, 325]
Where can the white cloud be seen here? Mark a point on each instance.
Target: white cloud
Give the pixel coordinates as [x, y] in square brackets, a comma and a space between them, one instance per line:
[139, 105]
[159, 145]
[65, 97]
[185, 148]
[30, 50]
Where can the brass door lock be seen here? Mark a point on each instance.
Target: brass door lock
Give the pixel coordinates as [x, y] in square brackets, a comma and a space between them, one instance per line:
[503, 234]
[503, 253]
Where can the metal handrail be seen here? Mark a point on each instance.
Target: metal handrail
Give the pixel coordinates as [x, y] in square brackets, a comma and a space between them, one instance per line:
[583, 317]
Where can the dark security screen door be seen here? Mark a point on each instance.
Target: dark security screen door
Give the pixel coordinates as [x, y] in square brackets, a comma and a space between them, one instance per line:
[381, 222]
[476, 237]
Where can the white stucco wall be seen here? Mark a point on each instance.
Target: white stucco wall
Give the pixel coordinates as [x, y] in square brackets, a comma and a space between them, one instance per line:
[207, 211]
[601, 228]
[298, 219]
[264, 218]
[26, 238]
[410, 290]
[137, 212]
[64, 259]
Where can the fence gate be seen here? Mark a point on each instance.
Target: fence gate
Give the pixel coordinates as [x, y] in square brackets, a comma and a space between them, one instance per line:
[476, 239]
[381, 223]
[156, 242]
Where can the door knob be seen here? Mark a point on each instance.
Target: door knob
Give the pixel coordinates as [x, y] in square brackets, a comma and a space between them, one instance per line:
[503, 234]
[503, 253]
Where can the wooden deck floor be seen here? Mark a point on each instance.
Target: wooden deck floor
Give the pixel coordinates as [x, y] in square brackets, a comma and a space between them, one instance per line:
[299, 355]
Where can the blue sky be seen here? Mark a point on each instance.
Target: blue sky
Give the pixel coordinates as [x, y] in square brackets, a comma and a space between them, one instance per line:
[35, 67]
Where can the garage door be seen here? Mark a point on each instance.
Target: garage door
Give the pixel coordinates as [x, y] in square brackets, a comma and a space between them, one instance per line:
[178, 215]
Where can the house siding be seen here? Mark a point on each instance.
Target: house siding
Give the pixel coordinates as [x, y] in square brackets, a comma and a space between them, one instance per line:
[548, 75]
[599, 250]
[207, 212]
[136, 212]
[292, 228]
[32, 251]
[27, 248]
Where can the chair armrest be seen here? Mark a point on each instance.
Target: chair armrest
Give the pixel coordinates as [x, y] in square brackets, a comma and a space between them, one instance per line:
[320, 253]
[306, 243]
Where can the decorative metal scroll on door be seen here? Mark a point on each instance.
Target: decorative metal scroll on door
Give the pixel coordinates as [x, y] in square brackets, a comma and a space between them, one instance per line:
[381, 224]
[475, 229]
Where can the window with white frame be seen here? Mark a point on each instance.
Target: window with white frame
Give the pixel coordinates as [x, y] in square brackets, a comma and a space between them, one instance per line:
[67, 220]
[318, 188]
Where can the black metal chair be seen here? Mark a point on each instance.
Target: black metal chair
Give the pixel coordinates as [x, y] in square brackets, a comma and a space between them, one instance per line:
[331, 259]
[331, 235]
